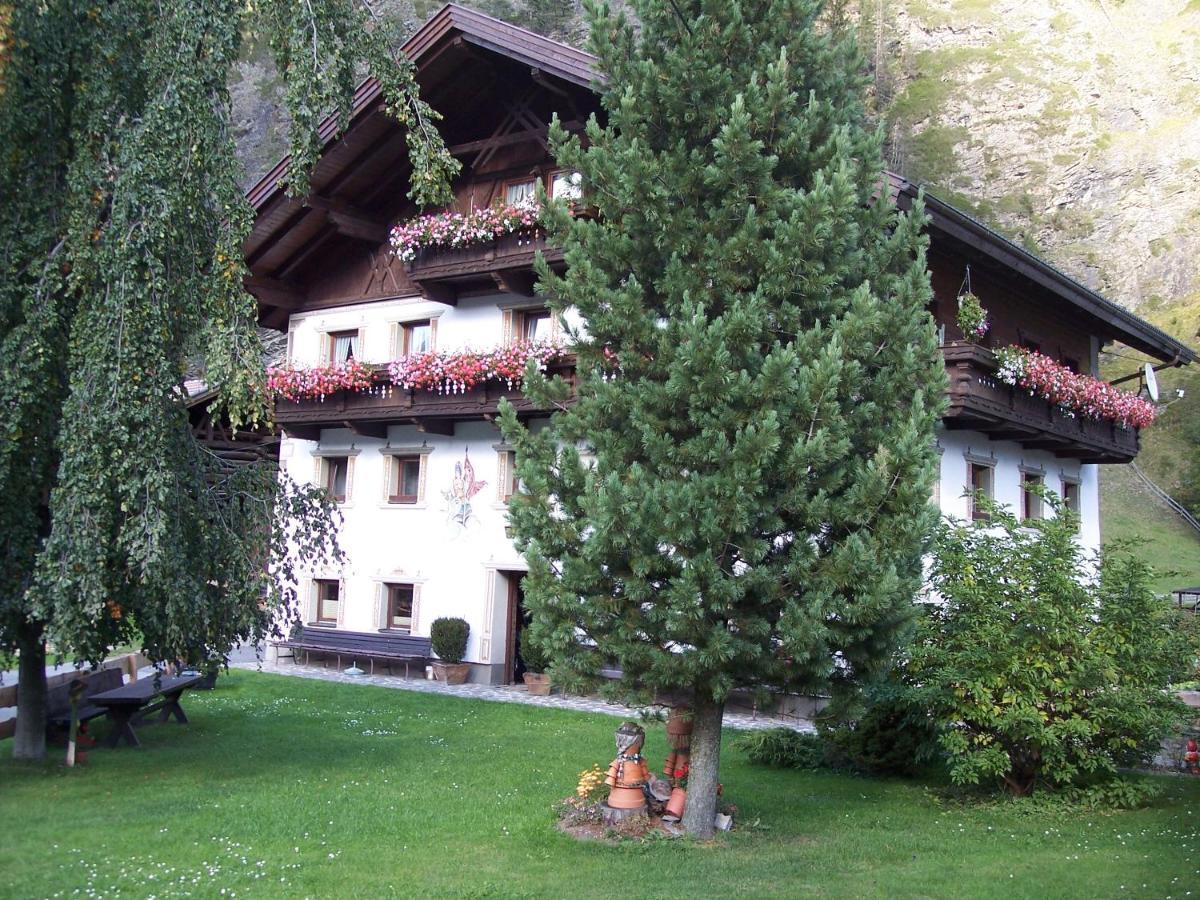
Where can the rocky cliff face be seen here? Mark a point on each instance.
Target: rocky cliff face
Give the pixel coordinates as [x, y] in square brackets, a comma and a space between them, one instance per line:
[1071, 125]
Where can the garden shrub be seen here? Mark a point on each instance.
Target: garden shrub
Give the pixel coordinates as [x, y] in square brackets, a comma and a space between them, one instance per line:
[449, 639]
[783, 747]
[1040, 664]
[892, 736]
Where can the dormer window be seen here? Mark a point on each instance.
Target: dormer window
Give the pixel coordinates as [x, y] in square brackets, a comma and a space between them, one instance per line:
[523, 191]
[343, 346]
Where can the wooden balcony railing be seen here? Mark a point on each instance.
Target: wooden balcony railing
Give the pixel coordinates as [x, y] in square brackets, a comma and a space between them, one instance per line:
[505, 264]
[980, 402]
[370, 414]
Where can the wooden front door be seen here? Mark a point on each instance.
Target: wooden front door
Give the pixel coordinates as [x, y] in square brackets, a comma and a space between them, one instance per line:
[518, 618]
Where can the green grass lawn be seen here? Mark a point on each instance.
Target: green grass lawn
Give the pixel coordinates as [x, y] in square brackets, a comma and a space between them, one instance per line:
[286, 787]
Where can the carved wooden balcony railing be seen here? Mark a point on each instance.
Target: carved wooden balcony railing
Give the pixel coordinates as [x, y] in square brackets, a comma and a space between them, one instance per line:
[505, 264]
[980, 402]
[370, 414]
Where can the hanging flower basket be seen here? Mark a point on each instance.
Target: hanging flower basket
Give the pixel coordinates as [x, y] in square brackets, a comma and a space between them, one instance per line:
[454, 230]
[1077, 394]
[972, 318]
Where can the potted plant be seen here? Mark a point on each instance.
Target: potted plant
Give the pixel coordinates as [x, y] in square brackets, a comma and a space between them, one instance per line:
[537, 682]
[449, 640]
[972, 318]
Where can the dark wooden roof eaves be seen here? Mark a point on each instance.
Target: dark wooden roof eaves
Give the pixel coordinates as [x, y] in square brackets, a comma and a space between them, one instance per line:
[520, 44]
[1129, 328]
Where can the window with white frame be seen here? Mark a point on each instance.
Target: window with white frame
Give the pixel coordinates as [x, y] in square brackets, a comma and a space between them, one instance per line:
[533, 324]
[398, 602]
[335, 477]
[521, 191]
[417, 337]
[328, 601]
[404, 475]
[343, 346]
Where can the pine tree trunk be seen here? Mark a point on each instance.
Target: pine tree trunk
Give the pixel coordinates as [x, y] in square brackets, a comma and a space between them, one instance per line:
[704, 767]
[29, 742]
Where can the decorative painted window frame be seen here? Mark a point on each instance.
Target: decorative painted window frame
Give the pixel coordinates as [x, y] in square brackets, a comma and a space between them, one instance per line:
[327, 334]
[1040, 506]
[978, 459]
[398, 323]
[379, 614]
[389, 454]
[321, 454]
[1065, 478]
[312, 605]
[510, 309]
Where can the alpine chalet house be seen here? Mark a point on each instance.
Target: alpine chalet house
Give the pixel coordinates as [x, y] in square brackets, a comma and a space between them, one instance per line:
[401, 344]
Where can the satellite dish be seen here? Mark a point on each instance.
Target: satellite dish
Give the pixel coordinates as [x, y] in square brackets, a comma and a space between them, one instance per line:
[1151, 382]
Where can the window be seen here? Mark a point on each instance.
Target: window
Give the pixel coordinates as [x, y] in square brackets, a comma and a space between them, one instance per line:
[405, 479]
[398, 614]
[533, 325]
[566, 186]
[520, 191]
[980, 481]
[329, 601]
[336, 477]
[416, 337]
[343, 346]
[509, 482]
[1070, 495]
[1031, 501]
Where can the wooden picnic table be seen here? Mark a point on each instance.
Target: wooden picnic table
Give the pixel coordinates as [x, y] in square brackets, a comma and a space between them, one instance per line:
[135, 700]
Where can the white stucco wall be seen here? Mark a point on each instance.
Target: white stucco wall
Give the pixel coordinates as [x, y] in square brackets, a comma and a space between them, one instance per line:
[958, 447]
[459, 570]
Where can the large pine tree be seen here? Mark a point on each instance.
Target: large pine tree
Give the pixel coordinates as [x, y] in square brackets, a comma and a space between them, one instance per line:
[739, 495]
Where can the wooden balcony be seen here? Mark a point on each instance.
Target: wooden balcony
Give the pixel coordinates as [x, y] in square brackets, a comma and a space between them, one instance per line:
[505, 264]
[980, 402]
[370, 414]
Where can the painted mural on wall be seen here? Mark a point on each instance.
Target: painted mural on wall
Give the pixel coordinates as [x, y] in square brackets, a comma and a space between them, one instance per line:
[463, 486]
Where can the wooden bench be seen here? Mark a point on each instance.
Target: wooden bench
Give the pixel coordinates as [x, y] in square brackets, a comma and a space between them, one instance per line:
[58, 699]
[131, 703]
[356, 645]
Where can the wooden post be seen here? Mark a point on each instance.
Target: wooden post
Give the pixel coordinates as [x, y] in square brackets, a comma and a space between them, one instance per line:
[75, 692]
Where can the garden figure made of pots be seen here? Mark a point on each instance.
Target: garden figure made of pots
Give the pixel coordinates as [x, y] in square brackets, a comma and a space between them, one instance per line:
[628, 775]
[1191, 757]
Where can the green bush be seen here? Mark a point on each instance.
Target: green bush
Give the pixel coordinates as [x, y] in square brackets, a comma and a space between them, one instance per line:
[892, 736]
[533, 656]
[1041, 665]
[783, 747]
[449, 639]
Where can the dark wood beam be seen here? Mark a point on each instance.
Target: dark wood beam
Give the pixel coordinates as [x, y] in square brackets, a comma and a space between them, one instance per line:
[443, 427]
[304, 432]
[351, 221]
[516, 281]
[506, 140]
[301, 253]
[438, 292]
[274, 292]
[367, 429]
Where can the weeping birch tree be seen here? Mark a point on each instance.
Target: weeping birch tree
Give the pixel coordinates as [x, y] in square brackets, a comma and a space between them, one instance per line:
[120, 260]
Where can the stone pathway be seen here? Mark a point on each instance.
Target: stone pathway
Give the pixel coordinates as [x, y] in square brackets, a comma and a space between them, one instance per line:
[744, 721]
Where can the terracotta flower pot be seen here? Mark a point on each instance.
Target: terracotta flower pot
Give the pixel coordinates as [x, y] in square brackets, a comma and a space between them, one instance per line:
[676, 804]
[451, 673]
[537, 684]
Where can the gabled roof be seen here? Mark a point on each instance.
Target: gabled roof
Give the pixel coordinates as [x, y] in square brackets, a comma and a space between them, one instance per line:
[456, 26]
[448, 24]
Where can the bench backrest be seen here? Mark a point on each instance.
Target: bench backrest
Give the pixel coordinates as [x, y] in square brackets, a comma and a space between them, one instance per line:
[363, 641]
[58, 699]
